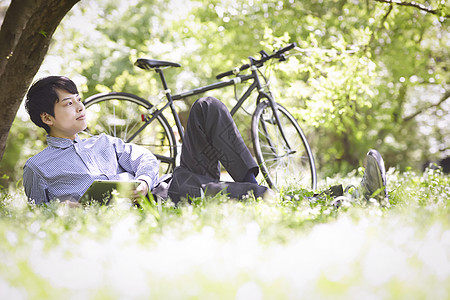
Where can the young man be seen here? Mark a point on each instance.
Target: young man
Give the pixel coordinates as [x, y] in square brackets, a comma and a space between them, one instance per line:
[68, 166]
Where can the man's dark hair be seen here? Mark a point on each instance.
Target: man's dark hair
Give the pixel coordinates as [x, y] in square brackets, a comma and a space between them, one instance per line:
[42, 96]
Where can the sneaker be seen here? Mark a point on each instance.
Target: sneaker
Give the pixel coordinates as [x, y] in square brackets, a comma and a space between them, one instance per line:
[373, 183]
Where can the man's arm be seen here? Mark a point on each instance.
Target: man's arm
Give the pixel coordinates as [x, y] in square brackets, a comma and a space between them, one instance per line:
[138, 161]
[34, 186]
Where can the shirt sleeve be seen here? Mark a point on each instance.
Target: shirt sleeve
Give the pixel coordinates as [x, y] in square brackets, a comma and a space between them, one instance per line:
[35, 187]
[138, 161]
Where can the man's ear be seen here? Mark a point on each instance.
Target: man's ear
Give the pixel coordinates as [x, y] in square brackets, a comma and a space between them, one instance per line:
[46, 119]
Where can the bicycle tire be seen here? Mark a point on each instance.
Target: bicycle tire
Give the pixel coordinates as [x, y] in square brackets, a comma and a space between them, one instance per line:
[122, 115]
[279, 167]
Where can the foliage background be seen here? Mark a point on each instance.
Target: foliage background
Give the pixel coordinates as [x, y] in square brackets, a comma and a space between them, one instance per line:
[370, 75]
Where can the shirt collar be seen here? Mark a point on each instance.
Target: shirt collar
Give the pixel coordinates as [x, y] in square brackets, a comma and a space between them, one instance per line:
[62, 143]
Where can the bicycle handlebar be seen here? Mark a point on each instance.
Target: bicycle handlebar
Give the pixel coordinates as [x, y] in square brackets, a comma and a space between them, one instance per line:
[259, 63]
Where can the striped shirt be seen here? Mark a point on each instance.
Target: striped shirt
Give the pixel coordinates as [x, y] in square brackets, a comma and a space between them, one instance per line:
[65, 169]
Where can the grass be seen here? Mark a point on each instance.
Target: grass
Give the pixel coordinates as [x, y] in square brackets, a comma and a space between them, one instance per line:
[224, 249]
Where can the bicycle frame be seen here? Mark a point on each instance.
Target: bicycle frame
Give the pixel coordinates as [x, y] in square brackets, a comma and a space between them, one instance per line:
[256, 84]
[221, 84]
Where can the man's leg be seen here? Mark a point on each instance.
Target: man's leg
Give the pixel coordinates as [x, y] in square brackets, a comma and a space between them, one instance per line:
[212, 136]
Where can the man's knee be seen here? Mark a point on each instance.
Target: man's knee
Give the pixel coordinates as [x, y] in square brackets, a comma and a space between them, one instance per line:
[209, 103]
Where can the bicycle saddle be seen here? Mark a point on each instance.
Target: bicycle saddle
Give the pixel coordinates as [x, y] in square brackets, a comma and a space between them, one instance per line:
[148, 64]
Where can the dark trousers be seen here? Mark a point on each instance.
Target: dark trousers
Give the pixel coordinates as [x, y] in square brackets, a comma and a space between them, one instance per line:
[211, 136]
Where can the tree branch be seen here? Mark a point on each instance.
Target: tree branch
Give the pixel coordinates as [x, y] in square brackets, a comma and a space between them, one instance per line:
[415, 5]
[372, 36]
[445, 97]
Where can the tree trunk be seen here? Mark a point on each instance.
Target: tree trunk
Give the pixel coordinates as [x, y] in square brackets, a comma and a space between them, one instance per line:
[24, 38]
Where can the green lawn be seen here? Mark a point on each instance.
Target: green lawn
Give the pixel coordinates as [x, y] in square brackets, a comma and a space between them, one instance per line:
[224, 249]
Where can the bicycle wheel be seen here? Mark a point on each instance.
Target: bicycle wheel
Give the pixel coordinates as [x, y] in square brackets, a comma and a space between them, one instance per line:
[283, 161]
[125, 116]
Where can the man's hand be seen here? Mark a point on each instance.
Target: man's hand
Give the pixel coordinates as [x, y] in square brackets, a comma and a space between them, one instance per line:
[141, 190]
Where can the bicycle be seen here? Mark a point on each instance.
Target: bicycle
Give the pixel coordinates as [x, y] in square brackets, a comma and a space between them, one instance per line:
[280, 146]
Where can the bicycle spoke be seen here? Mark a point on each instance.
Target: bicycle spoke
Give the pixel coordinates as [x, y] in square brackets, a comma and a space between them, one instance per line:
[282, 157]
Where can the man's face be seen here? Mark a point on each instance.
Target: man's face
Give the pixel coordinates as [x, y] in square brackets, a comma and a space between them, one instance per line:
[69, 117]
